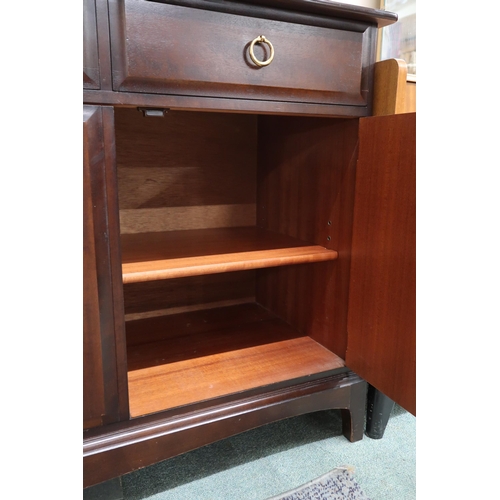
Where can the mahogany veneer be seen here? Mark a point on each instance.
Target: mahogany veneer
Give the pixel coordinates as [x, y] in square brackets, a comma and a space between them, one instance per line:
[177, 254]
[382, 307]
[148, 58]
[234, 351]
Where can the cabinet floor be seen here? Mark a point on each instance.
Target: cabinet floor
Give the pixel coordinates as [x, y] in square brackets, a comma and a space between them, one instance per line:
[185, 358]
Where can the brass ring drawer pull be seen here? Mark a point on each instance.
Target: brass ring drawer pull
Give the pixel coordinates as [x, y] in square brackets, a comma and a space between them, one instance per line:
[261, 39]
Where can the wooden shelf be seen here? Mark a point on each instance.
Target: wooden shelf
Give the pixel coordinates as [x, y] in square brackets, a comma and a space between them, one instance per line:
[178, 254]
[185, 358]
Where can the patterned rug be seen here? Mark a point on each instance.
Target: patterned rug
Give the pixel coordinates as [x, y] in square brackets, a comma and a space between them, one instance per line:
[338, 484]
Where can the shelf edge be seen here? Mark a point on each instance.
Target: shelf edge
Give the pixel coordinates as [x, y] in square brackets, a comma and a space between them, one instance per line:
[243, 261]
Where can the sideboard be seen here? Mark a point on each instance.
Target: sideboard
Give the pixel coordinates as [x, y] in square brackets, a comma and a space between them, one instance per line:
[223, 142]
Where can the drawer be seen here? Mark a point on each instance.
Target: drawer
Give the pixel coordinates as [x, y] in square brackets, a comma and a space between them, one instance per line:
[91, 79]
[170, 49]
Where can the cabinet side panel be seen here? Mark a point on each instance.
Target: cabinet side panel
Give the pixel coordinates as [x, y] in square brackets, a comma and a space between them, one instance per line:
[305, 190]
[382, 309]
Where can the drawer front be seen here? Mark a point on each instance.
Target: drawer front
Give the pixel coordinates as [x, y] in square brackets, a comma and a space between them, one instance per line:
[90, 52]
[169, 49]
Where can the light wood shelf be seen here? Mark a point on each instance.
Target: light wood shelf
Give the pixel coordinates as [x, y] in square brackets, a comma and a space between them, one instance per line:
[178, 254]
[186, 358]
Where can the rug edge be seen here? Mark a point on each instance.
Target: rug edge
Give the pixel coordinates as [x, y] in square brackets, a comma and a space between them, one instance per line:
[331, 473]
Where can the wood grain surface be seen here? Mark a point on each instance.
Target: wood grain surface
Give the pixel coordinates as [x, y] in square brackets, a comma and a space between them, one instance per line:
[158, 298]
[382, 301]
[411, 97]
[306, 190]
[93, 382]
[210, 355]
[181, 359]
[152, 52]
[187, 170]
[91, 76]
[389, 94]
[177, 254]
[104, 382]
[312, 12]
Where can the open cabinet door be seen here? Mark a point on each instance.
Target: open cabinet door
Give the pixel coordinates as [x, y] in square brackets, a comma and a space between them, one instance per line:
[382, 310]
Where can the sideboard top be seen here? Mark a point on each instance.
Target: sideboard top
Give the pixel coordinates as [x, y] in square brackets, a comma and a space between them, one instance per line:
[327, 8]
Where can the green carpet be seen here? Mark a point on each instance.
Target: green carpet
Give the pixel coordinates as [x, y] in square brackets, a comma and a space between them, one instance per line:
[276, 458]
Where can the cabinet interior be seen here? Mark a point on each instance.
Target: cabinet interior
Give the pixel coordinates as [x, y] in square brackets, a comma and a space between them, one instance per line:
[235, 241]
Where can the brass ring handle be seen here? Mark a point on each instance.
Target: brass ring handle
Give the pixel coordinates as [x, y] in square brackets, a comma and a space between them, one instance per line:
[261, 39]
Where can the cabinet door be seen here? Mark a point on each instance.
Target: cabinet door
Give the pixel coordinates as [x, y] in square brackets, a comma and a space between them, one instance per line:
[382, 309]
[104, 357]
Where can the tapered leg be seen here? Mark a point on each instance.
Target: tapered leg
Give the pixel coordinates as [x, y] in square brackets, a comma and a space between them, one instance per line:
[353, 418]
[378, 411]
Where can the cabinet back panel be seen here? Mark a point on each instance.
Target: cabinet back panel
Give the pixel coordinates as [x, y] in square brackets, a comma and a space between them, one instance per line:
[305, 190]
[155, 298]
[187, 170]
[291, 175]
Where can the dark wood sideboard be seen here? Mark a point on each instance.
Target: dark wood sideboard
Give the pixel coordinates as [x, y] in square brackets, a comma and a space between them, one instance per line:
[224, 200]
